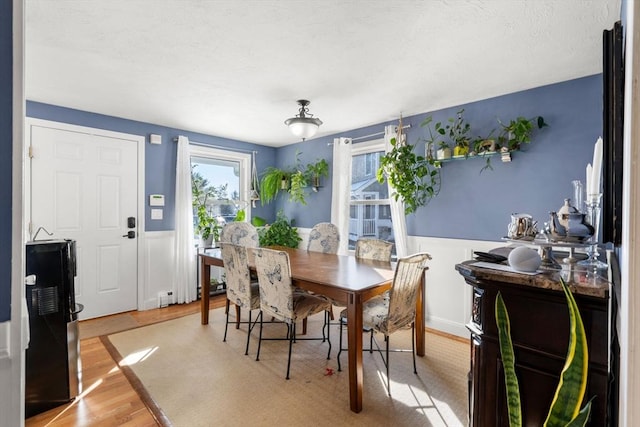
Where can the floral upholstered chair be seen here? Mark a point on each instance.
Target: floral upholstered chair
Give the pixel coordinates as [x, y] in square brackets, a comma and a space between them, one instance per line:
[241, 290]
[279, 299]
[395, 309]
[374, 249]
[240, 233]
[325, 238]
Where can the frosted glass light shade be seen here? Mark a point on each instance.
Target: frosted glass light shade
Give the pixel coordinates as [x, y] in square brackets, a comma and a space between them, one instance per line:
[303, 127]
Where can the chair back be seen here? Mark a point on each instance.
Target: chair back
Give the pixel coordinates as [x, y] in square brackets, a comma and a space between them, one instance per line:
[404, 291]
[240, 233]
[238, 279]
[374, 249]
[325, 238]
[274, 278]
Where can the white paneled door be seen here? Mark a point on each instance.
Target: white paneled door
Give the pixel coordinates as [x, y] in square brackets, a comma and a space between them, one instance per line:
[84, 187]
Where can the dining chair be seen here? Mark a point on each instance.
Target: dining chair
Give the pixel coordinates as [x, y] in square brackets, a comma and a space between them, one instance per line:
[325, 238]
[373, 249]
[240, 233]
[279, 298]
[395, 309]
[241, 290]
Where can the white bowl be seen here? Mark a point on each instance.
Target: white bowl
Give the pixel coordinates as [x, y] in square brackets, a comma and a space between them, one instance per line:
[524, 259]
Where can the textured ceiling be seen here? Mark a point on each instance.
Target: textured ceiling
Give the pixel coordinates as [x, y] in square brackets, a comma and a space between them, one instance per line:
[235, 68]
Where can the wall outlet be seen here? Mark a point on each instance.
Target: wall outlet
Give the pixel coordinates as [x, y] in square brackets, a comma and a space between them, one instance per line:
[163, 299]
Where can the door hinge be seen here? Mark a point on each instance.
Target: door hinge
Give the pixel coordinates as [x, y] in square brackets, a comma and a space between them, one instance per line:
[31, 152]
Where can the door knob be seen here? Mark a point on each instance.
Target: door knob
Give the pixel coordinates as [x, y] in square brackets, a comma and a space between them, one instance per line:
[130, 235]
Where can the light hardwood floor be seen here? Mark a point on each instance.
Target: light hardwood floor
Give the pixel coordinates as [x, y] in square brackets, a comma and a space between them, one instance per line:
[108, 398]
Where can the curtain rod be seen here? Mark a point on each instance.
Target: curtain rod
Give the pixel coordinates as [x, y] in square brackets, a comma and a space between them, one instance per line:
[371, 135]
[202, 144]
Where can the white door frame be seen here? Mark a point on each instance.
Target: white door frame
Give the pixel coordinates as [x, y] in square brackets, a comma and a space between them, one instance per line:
[140, 214]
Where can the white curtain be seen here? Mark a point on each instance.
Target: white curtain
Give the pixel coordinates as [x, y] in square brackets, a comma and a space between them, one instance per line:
[341, 190]
[397, 207]
[184, 280]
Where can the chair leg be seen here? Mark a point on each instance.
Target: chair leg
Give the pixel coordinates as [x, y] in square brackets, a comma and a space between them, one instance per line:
[386, 339]
[237, 316]
[292, 334]
[304, 326]
[226, 307]
[371, 341]
[413, 347]
[327, 321]
[340, 347]
[226, 323]
[260, 337]
[249, 328]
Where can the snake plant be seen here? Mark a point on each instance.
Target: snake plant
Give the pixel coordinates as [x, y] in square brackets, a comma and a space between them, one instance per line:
[565, 408]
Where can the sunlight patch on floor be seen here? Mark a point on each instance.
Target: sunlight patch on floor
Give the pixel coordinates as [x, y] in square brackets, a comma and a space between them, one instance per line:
[138, 356]
[76, 401]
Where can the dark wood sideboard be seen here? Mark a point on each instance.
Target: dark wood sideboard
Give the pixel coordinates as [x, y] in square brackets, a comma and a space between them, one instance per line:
[540, 333]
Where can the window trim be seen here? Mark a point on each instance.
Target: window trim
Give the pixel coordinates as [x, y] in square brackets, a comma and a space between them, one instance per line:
[244, 159]
[366, 148]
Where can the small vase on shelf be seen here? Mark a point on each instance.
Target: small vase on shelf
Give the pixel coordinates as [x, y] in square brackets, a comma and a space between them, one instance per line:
[593, 207]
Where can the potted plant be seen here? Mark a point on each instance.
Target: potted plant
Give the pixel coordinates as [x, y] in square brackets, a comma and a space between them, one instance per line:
[414, 178]
[518, 131]
[565, 407]
[444, 151]
[293, 181]
[315, 171]
[280, 233]
[457, 130]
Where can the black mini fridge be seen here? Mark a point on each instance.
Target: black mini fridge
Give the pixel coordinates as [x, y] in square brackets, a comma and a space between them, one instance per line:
[52, 370]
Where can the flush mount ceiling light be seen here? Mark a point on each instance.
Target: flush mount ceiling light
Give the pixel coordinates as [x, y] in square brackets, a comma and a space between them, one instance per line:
[303, 124]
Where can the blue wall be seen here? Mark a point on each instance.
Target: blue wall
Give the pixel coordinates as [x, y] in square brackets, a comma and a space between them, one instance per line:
[6, 138]
[471, 205]
[160, 160]
[474, 205]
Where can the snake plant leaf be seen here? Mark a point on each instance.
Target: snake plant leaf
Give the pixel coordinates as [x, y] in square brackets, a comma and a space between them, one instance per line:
[508, 363]
[573, 380]
[583, 416]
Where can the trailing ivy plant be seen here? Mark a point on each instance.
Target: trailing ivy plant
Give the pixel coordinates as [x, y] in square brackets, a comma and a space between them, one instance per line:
[280, 233]
[413, 178]
[565, 409]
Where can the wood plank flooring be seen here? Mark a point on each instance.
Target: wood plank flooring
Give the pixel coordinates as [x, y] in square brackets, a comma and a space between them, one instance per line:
[108, 399]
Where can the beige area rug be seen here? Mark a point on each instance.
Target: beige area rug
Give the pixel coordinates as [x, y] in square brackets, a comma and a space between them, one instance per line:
[106, 325]
[198, 380]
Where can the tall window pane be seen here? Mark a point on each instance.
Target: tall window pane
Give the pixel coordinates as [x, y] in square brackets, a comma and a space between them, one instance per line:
[370, 209]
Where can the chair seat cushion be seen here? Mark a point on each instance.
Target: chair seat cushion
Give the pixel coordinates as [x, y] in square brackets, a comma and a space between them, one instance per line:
[305, 304]
[375, 315]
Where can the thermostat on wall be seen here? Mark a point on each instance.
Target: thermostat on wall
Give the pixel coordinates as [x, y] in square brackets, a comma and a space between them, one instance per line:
[156, 200]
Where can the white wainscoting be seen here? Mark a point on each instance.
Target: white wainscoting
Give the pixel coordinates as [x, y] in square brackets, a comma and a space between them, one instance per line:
[5, 327]
[159, 267]
[448, 305]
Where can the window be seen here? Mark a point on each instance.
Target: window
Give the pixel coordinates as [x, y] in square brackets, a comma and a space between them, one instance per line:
[223, 180]
[370, 211]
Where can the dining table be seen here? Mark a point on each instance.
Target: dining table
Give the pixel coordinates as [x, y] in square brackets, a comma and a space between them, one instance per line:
[345, 279]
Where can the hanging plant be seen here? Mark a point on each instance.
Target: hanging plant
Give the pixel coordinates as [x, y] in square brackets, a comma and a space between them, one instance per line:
[413, 178]
[293, 181]
[254, 193]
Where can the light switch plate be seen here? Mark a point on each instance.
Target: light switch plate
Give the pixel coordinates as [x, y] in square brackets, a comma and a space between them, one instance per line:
[156, 213]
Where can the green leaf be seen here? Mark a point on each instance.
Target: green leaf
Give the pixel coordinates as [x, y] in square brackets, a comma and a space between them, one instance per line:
[573, 379]
[583, 417]
[508, 363]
